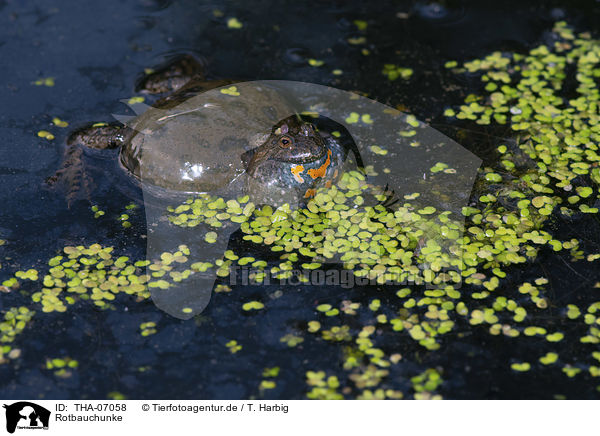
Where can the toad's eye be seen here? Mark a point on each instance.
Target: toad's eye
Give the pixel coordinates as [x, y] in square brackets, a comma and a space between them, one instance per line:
[285, 142]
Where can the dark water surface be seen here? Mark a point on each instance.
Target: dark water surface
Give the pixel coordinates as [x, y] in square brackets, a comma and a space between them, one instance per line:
[96, 50]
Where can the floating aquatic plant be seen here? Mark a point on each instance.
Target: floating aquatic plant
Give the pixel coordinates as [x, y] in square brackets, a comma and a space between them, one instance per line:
[549, 169]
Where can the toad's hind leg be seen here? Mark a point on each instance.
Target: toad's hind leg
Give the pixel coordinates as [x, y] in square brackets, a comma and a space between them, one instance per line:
[72, 177]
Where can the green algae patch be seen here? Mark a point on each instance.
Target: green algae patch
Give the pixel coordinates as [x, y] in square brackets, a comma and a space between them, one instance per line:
[336, 224]
[521, 366]
[233, 346]
[393, 72]
[44, 81]
[426, 383]
[45, 134]
[96, 275]
[267, 384]
[59, 123]
[62, 366]
[323, 387]
[549, 358]
[30, 274]
[232, 90]
[135, 100]
[253, 305]
[88, 273]
[148, 328]
[14, 321]
[291, 340]
[97, 212]
[234, 23]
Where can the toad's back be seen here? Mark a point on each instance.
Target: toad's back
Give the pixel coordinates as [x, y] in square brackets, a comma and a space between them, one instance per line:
[196, 146]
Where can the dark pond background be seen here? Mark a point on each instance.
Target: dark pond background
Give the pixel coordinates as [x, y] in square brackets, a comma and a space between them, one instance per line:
[96, 51]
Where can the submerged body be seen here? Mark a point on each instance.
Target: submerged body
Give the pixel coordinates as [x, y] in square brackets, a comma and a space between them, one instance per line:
[199, 140]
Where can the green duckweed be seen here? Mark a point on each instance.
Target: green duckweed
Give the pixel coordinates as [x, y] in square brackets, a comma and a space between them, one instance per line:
[550, 169]
[234, 23]
[393, 72]
[233, 346]
[148, 328]
[44, 81]
[62, 366]
[253, 305]
[15, 320]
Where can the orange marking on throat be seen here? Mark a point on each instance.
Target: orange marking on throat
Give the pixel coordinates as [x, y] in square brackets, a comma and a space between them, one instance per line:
[310, 193]
[320, 172]
[296, 170]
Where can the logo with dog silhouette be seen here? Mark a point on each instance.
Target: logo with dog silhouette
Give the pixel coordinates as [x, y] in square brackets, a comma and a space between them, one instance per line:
[26, 415]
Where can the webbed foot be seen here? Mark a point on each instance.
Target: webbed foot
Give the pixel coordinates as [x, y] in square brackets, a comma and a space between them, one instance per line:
[72, 176]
